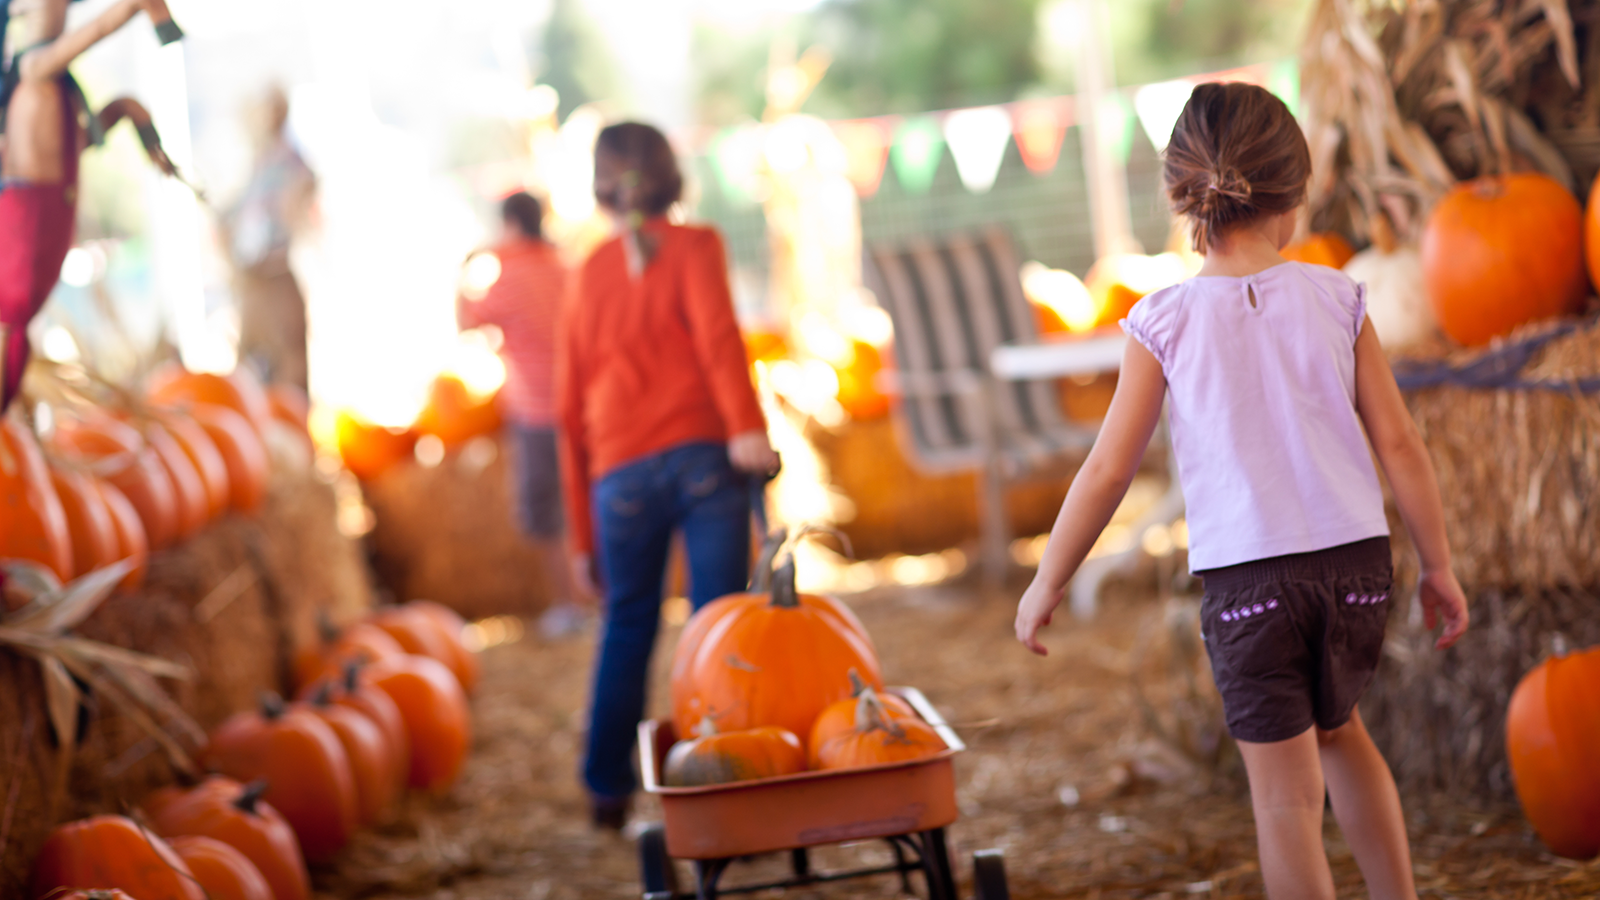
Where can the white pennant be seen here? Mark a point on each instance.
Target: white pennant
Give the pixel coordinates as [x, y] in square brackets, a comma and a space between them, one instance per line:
[1159, 105]
[977, 139]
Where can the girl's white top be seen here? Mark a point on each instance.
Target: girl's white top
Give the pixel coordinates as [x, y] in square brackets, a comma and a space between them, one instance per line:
[1261, 400]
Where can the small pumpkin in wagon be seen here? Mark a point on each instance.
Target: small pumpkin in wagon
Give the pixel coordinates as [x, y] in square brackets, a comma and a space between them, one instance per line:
[840, 718]
[718, 757]
[877, 738]
[776, 658]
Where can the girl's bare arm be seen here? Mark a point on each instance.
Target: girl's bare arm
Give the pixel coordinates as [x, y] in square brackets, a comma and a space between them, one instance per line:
[1405, 461]
[1097, 489]
[53, 58]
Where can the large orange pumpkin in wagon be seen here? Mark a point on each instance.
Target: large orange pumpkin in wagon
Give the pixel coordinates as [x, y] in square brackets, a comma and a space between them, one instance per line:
[778, 658]
[1500, 251]
[1552, 741]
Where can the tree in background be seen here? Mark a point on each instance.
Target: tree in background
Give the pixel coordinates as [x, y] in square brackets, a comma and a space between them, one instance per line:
[574, 58]
[1155, 40]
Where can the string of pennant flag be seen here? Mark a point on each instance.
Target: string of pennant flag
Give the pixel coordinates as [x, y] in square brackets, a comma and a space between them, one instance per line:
[977, 137]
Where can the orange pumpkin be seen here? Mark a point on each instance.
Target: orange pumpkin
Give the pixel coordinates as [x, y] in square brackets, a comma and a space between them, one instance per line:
[768, 659]
[240, 392]
[349, 690]
[306, 768]
[762, 345]
[289, 404]
[718, 757]
[1552, 737]
[1323, 248]
[327, 659]
[128, 462]
[224, 873]
[455, 415]
[438, 722]
[244, 454]
[877, 738]
[840, 718]
[193, 503]
[131, 541]
[111, 852]
[1500, 251]
[369, 450]
[94, 534]
[235, 814]
[1591, 233]
[421, 633]
[207, 459]
[465, 664]
[858, 385]
[372, 758]
[33, 523]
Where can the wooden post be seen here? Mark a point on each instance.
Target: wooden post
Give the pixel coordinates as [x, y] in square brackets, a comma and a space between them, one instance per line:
[1103, 170]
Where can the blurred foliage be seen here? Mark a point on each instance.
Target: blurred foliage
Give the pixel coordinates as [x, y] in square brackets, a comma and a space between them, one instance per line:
[903, 56]
[574, 58]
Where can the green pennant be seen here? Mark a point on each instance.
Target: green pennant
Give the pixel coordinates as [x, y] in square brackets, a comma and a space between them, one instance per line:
[1117, 124]
[729, 157]
[918, 145]
[1284, 81]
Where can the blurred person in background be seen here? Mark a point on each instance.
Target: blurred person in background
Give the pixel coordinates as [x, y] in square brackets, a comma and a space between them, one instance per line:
[524, 302]
[45, 124]
[660, 431]
[257, 233]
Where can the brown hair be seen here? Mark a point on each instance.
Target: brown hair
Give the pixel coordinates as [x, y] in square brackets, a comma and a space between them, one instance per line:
[524, 211]
[1236, 153]
[650, 181]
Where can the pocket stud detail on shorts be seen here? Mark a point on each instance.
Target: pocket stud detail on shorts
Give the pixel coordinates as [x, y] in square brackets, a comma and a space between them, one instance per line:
[1273, 603]
[1350, 599]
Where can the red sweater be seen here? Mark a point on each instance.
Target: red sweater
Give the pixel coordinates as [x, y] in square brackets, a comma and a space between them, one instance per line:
[647, 364]
[525, 303]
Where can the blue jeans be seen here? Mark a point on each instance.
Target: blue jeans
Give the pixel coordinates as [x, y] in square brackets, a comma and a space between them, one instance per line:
[636, 510]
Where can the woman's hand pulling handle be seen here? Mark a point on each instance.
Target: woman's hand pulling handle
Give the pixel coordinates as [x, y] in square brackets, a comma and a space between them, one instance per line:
[751, 452]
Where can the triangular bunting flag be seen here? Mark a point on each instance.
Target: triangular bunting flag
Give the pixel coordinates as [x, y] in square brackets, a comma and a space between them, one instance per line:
[866, 150]
[977, 139]
[917, 148]
[1159, 105]
[1039, 126]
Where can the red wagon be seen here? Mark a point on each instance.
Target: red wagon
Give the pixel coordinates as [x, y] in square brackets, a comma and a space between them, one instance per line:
[908, 804]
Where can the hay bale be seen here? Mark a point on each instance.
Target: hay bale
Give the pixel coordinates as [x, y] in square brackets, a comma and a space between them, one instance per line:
[448, 533]
[228, 603]
[1519, 472]
[901, 510]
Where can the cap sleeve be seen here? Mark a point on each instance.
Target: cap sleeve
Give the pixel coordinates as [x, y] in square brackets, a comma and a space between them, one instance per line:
[1150, 323]
[1359, 310]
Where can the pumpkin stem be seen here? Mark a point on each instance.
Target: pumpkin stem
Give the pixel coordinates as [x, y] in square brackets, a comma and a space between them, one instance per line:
[352, 675]
[784, 593]
[857, 686]
[250, 796]
[272, 706]
[761, 575]
[327, 632]
[323, 695]
[870, 714]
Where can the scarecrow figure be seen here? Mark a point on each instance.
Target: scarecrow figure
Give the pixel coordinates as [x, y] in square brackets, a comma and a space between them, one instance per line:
[45, 123]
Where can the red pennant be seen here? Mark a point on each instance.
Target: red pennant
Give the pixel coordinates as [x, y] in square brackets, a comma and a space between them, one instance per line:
[866, 148]
[1039, 127]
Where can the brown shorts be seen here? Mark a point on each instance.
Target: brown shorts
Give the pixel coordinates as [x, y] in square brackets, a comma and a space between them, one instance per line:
[1294, 640]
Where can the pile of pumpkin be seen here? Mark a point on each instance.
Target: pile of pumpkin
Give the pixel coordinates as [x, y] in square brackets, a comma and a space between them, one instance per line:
[776, 682]
[1495, 253]
[139, 473]
[453, 415]
[382, 706]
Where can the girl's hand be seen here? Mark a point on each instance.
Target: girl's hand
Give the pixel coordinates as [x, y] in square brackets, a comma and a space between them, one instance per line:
[751, 452]
[1034, 611]
[584, 588]
[1442, 596]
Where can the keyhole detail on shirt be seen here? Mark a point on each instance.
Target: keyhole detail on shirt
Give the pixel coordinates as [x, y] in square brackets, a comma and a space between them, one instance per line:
[1250, 290]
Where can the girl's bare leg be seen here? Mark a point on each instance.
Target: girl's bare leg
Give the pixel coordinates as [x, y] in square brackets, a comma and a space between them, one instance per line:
[1367, 807]
[1286, 791]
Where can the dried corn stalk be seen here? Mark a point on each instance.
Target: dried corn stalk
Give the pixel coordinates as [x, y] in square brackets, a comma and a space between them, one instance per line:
[1402, 98]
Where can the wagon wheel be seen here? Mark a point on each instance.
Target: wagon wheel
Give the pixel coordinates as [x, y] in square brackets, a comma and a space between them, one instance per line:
[656, 871]
[989, 875]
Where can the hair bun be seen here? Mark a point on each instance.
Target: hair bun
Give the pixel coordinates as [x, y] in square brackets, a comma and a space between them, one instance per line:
[1225, 184]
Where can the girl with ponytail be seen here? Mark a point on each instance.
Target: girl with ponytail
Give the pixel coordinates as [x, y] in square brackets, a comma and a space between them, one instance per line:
[1279, 398]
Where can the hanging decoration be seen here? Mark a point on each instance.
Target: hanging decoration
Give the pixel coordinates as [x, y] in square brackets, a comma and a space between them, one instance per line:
[1159, 106]
[736, 155]
[978, 139]
[1039, 126]
[866, 149]
[1284, 80]
[918, 145]
[1116, 124]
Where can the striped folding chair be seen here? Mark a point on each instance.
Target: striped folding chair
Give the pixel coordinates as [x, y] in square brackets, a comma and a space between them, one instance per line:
[954, 300]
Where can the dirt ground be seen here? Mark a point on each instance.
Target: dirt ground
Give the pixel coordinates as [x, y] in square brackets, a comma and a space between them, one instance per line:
[1064, 773]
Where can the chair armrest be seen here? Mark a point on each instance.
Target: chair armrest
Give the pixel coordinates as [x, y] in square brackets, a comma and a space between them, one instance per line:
[895, 383]
[1058, 359]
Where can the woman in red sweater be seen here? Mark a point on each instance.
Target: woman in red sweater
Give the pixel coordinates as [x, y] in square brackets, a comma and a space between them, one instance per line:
[660, 432]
